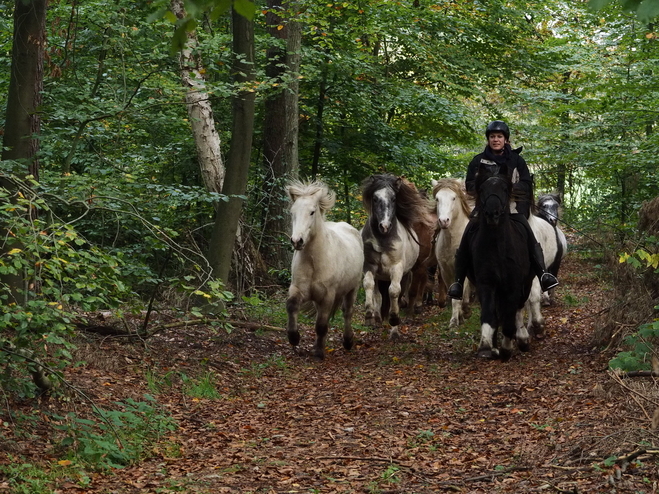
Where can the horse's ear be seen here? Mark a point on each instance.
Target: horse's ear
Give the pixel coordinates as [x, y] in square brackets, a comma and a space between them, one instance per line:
[434, 182]
[398, 184]
[291, 195]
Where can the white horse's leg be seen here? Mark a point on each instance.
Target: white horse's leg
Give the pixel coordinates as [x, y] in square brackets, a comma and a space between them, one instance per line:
[323, 311]
[394, 293]
[456, 313]
[348, 308]
[293, 304]
[522, 335]
[370, 301]
[536, 323]
[486, 347]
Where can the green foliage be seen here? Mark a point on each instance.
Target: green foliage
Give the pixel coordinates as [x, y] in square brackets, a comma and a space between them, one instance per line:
[202, 387]
[115, 438]
[26, 478]
[641, 346]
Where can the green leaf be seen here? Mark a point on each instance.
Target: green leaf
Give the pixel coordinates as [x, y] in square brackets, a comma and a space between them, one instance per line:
[246, 8]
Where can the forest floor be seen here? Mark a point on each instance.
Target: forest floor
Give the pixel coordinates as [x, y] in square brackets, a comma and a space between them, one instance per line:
[420, 415]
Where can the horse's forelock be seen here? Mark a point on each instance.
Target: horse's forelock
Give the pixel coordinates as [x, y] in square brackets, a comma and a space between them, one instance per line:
[374, 183]
[326, 197]
[456, 186]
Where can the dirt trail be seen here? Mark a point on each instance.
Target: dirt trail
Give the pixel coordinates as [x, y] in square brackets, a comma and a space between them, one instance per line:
[416, 416]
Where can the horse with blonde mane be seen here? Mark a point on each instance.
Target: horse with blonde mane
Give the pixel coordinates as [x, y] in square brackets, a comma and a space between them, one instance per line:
[327, 263]
[453, 210]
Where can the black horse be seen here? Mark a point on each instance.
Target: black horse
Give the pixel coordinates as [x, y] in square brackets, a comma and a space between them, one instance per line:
[500, 265]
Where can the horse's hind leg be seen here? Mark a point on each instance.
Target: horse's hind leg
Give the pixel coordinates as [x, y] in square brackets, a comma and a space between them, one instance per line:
[372, 303]
[523, 338]
[293, 304]
[511, 331]
[348, 309]
[322, 325]
[536, 323]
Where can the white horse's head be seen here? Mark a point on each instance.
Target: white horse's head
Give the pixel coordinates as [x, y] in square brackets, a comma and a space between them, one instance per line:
[448, 201]
[310, 202]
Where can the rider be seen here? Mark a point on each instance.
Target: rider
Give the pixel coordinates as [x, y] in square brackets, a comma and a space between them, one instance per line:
[497, 153]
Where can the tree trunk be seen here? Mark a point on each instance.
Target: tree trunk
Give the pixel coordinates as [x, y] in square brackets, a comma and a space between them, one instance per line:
[280, 133]
[22, 121]
[200, 112]
[235, 182]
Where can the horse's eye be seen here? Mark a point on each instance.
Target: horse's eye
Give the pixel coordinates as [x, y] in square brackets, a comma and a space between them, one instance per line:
[312, 212]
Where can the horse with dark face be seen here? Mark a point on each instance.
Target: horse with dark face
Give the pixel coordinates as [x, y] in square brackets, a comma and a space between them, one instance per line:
[500, 266]
[391, 246]
[548, 207]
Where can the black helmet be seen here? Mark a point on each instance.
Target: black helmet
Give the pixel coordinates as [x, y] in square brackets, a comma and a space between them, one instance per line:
[498, 126]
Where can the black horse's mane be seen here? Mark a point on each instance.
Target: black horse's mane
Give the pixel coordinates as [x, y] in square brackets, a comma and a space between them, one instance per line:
[410, 204]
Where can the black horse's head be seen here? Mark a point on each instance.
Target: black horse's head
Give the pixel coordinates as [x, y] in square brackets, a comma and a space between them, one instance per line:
[493, 191]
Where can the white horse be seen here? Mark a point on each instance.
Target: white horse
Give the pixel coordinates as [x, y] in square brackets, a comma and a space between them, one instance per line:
[391, 247]
[327, 263]
[453, 209]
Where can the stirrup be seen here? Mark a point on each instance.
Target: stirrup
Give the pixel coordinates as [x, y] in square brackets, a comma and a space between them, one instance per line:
[455, 291]
[548, 281]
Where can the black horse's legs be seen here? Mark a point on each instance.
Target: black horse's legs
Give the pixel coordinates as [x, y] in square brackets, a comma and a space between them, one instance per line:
[293, 304]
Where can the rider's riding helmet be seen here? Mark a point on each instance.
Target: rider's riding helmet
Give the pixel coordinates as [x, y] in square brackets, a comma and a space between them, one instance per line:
[498, 126]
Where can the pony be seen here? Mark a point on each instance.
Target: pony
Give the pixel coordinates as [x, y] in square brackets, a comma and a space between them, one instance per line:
[424, 228]
[500, 266]
[453, 209]
[327, 263]
[548, 207]
[391, 245]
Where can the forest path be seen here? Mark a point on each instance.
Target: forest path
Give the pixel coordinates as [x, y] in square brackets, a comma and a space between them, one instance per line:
[415, 416]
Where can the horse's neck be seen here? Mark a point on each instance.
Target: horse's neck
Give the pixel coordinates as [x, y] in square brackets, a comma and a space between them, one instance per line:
[318, 239]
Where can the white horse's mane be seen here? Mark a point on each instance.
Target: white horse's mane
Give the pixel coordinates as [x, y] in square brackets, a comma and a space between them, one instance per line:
[326, 199]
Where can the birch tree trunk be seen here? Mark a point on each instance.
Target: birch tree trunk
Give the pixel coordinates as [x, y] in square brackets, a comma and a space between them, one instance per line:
[200, 112]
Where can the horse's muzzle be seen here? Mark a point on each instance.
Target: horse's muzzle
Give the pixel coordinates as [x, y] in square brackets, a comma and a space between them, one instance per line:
[384, 227]
[298, 244]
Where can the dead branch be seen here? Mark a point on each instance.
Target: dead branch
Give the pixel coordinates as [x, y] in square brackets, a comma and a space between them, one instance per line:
[497, 473]
[363, 458]
[641, 373]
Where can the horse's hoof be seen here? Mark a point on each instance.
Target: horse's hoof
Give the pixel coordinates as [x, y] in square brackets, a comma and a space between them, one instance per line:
[418, 309]
[485, 354]
[524, 346]
[394, 335]
[394, 319]
[505, 355]
[348, 343]
[294, 338]
[319, 354]
[369, 320]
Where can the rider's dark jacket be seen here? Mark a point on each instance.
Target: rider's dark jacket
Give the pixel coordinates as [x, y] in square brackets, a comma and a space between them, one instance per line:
[517, 170]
